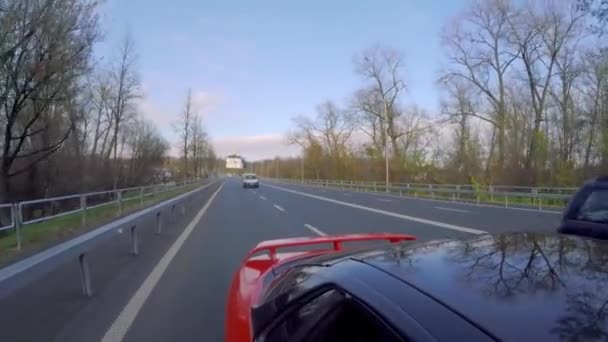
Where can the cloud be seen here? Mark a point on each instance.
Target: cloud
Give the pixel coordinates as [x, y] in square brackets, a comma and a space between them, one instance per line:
[161, 117]
[205, 102]
[255, 147]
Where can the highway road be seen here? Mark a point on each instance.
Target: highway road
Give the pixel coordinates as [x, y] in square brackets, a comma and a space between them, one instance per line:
[176, 289]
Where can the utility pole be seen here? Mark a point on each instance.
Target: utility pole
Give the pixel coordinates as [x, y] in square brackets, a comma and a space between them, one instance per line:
[386, 141]
[302, 166]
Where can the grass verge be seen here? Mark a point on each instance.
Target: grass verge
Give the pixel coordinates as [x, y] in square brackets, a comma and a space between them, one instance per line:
[498, 200]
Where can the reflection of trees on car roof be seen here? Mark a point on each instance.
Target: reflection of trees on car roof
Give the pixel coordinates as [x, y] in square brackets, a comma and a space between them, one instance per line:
[505, 280]
[513, 265]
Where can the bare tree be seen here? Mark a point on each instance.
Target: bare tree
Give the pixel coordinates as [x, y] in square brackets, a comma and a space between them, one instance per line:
[146, 149]
[597, 9]
[382, 68]
[126, 89]
[184, 129]
[540, 35]
[596, 121]
[335, 127]
[480, 53]
[331, 130]
[45, 49]
[103, 120]
[199, 145]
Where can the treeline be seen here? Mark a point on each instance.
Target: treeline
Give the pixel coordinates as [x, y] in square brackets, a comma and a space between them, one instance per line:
[69, 122]
[524, 101]
[198, 157]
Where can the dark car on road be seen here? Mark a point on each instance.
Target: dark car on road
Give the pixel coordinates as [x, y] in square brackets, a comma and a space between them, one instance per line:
[587, 210]
[512, 287]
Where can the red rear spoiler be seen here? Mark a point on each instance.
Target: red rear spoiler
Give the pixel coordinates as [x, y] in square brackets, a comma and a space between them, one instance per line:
[336, 240]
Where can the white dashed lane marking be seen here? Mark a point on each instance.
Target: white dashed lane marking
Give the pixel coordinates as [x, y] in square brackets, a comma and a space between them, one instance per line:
[315, 230]
[278, 207]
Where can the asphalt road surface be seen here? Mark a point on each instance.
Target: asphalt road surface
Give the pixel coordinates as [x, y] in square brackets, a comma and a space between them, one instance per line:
[177, 288]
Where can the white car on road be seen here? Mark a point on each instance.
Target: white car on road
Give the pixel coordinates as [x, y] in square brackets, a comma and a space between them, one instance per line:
[250, 180]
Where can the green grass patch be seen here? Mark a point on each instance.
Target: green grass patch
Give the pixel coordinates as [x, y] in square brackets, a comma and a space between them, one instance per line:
[36, 234]
[485, 198]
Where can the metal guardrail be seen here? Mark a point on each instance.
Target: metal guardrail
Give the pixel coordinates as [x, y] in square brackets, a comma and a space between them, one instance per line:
[10, 209]
[27, 270]
[541, 198]
[40, 210]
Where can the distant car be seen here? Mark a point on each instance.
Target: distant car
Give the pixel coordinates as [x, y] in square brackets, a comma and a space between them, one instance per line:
[587, 211]
[250, 180]
[511, 287]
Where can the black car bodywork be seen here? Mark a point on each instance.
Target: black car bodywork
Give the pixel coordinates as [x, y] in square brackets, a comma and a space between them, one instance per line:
[515, 287]
[587, 211]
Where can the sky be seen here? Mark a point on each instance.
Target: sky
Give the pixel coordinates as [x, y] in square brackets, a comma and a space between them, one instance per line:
[253, 65]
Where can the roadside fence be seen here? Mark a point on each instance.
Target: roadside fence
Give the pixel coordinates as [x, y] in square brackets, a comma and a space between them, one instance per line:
[539, 198]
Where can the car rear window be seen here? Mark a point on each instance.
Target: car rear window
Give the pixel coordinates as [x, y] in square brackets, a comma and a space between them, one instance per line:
[250, 177]
[595, 207]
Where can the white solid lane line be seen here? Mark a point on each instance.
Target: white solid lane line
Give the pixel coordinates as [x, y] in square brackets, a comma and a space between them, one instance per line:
[128, 314]
[384, 212]
[384, 200]
[262, 197]
[450, 209]
[278, 207]
[315, 230]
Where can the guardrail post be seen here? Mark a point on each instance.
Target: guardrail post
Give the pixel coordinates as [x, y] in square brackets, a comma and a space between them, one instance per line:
[141, 196]
[85, 275]
[17, 219]
[119, 200]
[401, 192]
[375, 187]
[183, 209]
[540, 204]
[134, 241]
[491, 193]
[159, 223]
[506, 201]
[453, 197]
[83, 210]
[458, 191]
[478, 200]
